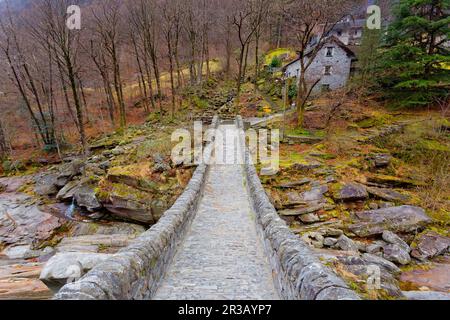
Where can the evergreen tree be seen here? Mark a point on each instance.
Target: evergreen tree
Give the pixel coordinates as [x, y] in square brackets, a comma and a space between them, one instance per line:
[414, 65]
[367, 57]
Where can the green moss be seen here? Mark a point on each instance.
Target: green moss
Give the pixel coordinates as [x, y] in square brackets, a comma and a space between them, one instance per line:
[200, 103]
[325, 156]
[376, 120]
[433, 145]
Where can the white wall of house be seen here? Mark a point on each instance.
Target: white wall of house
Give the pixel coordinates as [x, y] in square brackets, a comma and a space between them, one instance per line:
[333, 71]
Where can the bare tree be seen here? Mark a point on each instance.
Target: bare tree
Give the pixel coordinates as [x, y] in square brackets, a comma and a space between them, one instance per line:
[245, 27]
[51, 26]
[171, 12]
[145, 20]
[139, 42]
[27, 73]
[261, 15]
[97, 55]
[310, 24]
[3, 146]
[107, 27]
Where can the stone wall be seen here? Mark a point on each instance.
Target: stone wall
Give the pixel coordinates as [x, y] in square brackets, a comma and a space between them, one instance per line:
[299, 273]
[340, 64]
[135, 272]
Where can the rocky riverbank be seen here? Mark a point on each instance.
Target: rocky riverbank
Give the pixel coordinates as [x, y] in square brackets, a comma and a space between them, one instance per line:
[79, 212]
[359, 200]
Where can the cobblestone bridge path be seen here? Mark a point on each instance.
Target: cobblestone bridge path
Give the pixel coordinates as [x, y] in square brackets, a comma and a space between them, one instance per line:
[221, 256]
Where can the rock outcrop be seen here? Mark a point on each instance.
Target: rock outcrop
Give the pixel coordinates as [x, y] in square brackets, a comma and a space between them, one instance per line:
[430, 245]
[68, 267]
[396, 219]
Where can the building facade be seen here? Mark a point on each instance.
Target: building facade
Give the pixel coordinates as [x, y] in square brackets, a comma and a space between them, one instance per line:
[331, 67]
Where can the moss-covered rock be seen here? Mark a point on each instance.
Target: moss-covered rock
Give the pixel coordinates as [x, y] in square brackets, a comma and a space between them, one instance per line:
[393, 181]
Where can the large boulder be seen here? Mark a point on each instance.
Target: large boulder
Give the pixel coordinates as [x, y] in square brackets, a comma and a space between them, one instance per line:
[21, 282]
[302, 211]
[350, 192]
[393, 182]
[109, 243]
[66, 267]
[359, 267]
[136, 176]
[397, 219]
[392, 238]
[375, 247]
[46, 184]
[380, 160]
[430, 245]
[110, 228]
[346, 244]
[83, 192]
[13, 184]
[68, 191]
[294, 184]
[436, 276]
[21, 252]
[315, 194]
[387, 194]
[161, 165]
[85, 197]
[130, 209]
[71, 169]
[127, 202]
[396, 254]
[306, 165]
[379, 261]
[22, 222]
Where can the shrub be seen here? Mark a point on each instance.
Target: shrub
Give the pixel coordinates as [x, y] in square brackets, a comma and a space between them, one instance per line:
[276, 62]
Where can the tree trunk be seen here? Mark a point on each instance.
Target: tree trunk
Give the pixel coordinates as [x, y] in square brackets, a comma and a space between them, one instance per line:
[109, 99]
[150, 84]
[171, 71]
[157, 78]
[228, 52]
[256, 59]
[208, 67]
[301, 100]
[141, 75]
[66, 95]
[83, 95]
[244, 71]
[279, 32]
[239, 79]
[118, 87]
[79, 111]
[3, 145]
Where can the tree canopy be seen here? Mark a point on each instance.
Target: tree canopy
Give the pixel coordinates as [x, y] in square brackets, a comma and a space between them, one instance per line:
[413, 65]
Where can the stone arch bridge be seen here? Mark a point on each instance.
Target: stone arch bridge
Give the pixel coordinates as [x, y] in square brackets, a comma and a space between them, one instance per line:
[222, 239]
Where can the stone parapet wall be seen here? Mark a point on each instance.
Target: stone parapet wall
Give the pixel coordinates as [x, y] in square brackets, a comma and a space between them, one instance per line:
[135, 272]
[298, 272]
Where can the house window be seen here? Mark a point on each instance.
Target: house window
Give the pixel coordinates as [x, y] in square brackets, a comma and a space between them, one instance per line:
[327, 71]
[329, 51]
[339, 33]
[325, 87]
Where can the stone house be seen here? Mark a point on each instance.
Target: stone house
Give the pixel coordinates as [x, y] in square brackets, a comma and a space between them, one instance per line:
[331, 67]
[349, 31]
